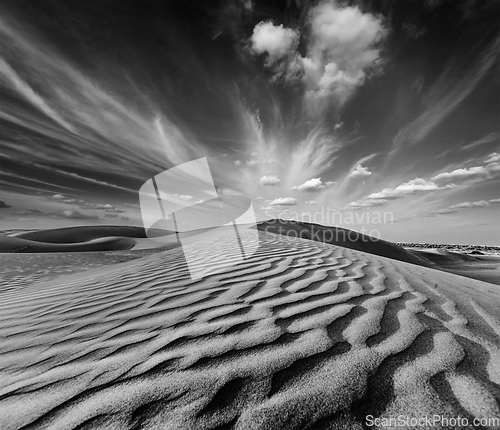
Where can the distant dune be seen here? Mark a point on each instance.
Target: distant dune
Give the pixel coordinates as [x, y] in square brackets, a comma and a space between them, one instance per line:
[114, 238]
[302, 335]
[17, 244]
[80, 239]
[85, 233]
[343, 237]
[485, 267]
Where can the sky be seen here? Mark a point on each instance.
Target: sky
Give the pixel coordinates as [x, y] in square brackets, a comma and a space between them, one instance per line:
[378, 116]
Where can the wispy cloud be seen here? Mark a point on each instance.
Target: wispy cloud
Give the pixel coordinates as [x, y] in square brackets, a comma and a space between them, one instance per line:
[445, 95]
[64, 214]
[312, 156]
[479, 204]
[114, 133]
[491, 137]
[417, 185]
[30, 95]
[459, 178]
[489, 168]
[60, 172]
[453, 209]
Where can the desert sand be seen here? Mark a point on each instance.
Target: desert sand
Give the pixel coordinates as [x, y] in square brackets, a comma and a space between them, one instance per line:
[302, 335]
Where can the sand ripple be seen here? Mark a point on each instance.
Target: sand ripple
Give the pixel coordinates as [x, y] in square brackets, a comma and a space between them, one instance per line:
[301, 335]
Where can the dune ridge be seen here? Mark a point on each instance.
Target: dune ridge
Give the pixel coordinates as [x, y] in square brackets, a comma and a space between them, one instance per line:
[19, 245]
[86, 233]
[83, 239]
[343, 237]
[301, 335]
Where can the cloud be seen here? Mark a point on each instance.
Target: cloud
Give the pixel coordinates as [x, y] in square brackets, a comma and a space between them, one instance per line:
[446, 211]
[115, 211]
[275, 40]
[58, 197]
[418, 84]
[184, 197]
[270, 180]
[485, 139]
[73, 215]
[360, 172]
[489, 169]
[98, 123]
[472, 205]
[341, 51]
[311, 185]
[175, 198]
[312, 156]
[366, 203]
[387, 194]
[280, 46]
[125, 218]
[459, 206]
[110, 216]
[447, 93]
[401, 191]
[412, 31]
[283, 201]
[492, 158]
[441, 181]
[261, 161]
[417, 185]
[67, 214]
[479, 204]
[59, 172]
[4, 205]
[247, 4]
[461, 175]
[94, 206]
[312, 203]
[342, 47]
[83, 178]
[30, 95]
[26, 212]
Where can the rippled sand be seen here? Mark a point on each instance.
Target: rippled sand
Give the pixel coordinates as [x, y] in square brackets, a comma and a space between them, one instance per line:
[301, 335]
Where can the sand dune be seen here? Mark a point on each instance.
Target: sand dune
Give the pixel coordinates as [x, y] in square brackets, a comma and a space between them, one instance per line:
[16, 244]
[302, 335]
[343, 237]
[484, 268]
[85, 233]
[82, 239]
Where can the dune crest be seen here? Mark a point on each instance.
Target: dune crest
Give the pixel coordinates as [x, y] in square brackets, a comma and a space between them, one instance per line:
[301, 335]
[19, 245]
[85, 233]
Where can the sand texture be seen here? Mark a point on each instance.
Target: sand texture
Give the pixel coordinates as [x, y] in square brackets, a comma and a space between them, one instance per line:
[302, 335]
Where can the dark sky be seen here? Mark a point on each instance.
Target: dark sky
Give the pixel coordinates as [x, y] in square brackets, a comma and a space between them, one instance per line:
[321, 110]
